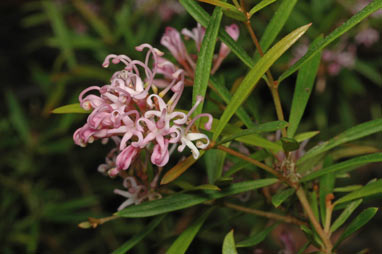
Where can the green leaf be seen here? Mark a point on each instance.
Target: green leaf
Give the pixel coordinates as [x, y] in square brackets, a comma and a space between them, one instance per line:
[179, 169]
[305, 135]
[289, 144]
[221, 4]
[204, 62]
[327, 183]
[345, 215]
[368, 70]
[17, 117]
[259, 156]
[180, 201]
[214, 160]
[139, 236]
[352, 151]
[202, 17]
[342, 166]
[304, 86]
[260, 128]
[61, 32]
[254, 139]
[207, 187]
[254, 75]
[224, 93]
[303, 248]
[229, 244]
[260, 6]
[280, 197]
[348, 188]
[183, 241]
[96, 22]
[369, 189]
[234, 14]
[257, 238]
[71, 108]
[277, 23]
[356, 132]
[314, 204]
[364, 217]
[354, 20]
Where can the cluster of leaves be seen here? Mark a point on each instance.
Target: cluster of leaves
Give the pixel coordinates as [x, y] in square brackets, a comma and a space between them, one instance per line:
[40, 185]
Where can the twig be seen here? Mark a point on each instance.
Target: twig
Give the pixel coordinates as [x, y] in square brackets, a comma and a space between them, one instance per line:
[269, 215]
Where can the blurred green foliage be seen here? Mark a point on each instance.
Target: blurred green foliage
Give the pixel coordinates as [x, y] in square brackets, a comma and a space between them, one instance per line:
[51, 50]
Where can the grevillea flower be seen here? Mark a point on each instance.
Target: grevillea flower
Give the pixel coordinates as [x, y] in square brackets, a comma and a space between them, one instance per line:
[127, 111]
[196, 34]
[173, 42]
[142, 121]
[136, 193]
[233, 31]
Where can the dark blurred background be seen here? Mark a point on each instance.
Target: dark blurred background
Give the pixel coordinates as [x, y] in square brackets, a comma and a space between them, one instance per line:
[51, 50]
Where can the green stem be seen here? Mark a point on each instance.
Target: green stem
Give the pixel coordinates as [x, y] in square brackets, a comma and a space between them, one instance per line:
[273, 86]
[316, 225]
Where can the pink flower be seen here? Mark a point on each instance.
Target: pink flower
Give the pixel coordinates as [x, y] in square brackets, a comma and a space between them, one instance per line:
[133, 194]
[136, 120]
[233, 31]
[125, 158]
[196, 34]
[367, 37]
[136, 193]
[172, 41]
[160, 155]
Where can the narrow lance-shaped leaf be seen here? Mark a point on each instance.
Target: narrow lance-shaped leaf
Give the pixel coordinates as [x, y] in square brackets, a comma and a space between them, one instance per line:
[17, 117]
[345, 215]
[363, 218]
[305, 135]
[289, 144]
[358, 17]
[71, 108]
[140, 236]
[183, 241]
[214, 160]
[96, 22]
[280, 197]
[259, 156]
[342, 166]
[327, 183]
[229, 244]
[202, 17]
[348, 188]
[257, 238]
[59, 28]
[304, 247]
[356, 132]
[205, 59]
[260, 128]
[304, 84]
[277, 23]
[180, 201]
[224, 93]
[179, 169]
[368, 190]
[220, 3]
[260, 6]
[254, 75]
[369, 70]
[254, 139]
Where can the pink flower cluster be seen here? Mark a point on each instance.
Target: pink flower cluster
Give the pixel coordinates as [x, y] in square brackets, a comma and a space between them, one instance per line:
[173, 42]
[131, 112]
[137, 111]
